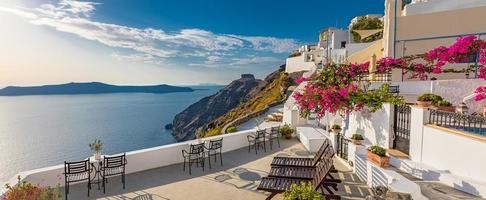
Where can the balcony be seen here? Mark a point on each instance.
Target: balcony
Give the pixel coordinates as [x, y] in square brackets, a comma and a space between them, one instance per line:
[238, 178]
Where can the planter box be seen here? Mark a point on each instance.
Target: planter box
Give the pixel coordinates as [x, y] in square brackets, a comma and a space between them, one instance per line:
[447, 108]
[424, 103]
[380, 161]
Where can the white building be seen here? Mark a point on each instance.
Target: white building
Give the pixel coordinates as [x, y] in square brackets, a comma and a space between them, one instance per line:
[333, 41]
[304, 58]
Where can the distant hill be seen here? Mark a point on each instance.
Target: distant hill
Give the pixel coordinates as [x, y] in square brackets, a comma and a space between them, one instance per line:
[89, 88]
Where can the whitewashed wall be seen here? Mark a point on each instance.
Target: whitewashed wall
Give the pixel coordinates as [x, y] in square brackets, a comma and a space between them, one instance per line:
[375, 127]
[298, 63]
[458, 155]
[139, 160]
[437, 154]
[440, 5]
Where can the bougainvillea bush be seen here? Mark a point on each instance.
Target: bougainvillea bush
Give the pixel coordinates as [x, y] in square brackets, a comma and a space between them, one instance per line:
[338, 89]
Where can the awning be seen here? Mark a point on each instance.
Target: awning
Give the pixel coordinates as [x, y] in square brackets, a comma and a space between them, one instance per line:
[367, 33]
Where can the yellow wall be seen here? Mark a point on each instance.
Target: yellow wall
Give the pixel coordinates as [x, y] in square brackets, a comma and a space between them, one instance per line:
[455, 22]
[365, 54]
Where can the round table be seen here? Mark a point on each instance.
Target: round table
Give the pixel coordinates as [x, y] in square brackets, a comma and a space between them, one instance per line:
[96, 164]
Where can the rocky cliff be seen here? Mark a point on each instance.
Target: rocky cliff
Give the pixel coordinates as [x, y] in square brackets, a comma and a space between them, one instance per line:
[214, 106]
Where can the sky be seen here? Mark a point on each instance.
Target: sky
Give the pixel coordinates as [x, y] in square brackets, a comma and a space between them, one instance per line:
[145, 42]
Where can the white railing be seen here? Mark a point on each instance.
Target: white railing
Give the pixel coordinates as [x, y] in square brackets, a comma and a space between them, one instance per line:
[139, 160]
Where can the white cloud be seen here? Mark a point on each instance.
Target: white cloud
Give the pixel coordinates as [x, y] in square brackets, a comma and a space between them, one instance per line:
[253, 60]
[74, 17]
[145, 58]
[235, 62]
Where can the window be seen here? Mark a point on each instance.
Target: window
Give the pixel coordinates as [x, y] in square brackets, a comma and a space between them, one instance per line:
[343, 44]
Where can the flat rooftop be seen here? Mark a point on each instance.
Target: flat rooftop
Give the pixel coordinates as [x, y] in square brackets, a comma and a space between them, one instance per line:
[237, 179]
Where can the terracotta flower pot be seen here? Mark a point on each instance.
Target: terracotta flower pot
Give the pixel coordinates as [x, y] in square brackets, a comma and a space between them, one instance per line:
[447, 108]
[380, 161]
[357, 142]
[288, 136]
[424, 103]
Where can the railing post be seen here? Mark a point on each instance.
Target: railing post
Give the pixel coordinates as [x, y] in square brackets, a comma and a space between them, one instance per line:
[419, 117]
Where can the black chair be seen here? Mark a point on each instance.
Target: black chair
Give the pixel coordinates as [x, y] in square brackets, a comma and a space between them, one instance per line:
[214, 149]
[274, 134]
[76, 172]
[256, 141]
[113, 166]
[195, 155]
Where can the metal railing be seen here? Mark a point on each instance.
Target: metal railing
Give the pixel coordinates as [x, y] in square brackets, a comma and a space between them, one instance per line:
[343, 143]
[377, 77]
[467, 123]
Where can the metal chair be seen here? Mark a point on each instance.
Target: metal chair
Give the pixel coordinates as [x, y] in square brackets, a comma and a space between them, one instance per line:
[214, 149]
[195, 155]
[113, 166]
[256, 141]
[76, 172]
[274, 134]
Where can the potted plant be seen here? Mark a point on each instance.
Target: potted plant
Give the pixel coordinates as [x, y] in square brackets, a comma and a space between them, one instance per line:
[304, 191]
[96, 146]
[377, 155]
[336, 128]
[357, 139]
[425, 100]
[445, 106]
[286, 131]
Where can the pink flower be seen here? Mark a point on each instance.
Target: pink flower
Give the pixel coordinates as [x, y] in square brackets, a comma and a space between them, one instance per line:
[300, 80]
[480, 97]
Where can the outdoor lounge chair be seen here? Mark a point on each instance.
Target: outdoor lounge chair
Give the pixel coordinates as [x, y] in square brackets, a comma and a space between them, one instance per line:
[303, 172]
[276, 185]
[302, 162]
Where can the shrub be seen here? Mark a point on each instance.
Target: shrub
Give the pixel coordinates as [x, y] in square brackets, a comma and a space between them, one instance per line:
[443, 103]
[335, 126]
[231, 129]
[357, 137]
[380, 151]
[24, 190]
[304, 191]
[286, 130]
[430, 97]
[366, 23]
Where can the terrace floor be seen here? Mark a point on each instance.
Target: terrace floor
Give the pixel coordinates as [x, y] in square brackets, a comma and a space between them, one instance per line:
[237, 179]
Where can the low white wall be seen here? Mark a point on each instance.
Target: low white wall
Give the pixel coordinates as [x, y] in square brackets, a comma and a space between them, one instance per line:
[377, 176]
[375, 127]
[456, 154]
[296, 64]
[139, 160]
[454, 90]
[440, 154]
